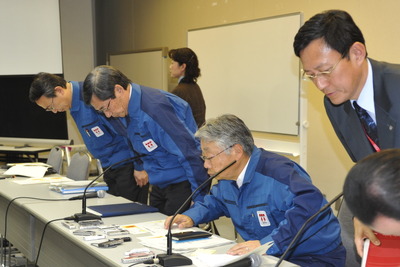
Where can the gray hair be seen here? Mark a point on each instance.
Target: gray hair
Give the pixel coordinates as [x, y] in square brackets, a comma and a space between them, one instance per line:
[101, 82]
[227, 130]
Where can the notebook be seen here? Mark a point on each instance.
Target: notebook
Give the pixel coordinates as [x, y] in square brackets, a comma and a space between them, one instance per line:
[120, 209]
[387, 254]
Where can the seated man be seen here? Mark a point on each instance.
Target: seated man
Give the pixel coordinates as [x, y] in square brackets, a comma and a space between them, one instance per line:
[267, 196]
[372, 191]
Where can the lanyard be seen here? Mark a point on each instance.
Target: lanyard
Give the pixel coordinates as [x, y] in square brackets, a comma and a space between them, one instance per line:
[374, 145]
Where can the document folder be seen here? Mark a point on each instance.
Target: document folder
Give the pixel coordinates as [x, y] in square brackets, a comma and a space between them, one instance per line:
[121, 209]
[387, 254]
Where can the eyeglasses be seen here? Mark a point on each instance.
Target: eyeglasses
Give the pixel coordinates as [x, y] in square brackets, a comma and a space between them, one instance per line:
[210, 158]
[105, 109]
[325, 74]
[51, 107]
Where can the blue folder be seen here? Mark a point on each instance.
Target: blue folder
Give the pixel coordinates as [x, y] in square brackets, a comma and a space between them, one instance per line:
[121, 209]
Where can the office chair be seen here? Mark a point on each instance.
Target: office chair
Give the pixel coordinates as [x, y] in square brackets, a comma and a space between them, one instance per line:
[79, 166]
[55, 159]
[345, 218]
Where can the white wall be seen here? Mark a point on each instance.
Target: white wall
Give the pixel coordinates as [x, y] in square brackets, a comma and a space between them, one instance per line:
[30, 37]
[165, 23]
[77, 32]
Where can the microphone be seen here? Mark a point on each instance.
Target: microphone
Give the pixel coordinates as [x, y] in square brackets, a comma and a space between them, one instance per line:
[253, 260]
[301, 230]
[99, 194]
[84, 216]
[174, 259]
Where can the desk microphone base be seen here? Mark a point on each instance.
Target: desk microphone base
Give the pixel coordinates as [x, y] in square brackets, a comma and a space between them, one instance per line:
[173, 260]
[78, 217]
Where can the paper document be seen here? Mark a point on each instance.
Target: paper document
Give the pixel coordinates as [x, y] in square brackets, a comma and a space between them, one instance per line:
[160, 242]
[43, 180]
[29, 164]
[156, 228]
[36, 171]
[214, 260]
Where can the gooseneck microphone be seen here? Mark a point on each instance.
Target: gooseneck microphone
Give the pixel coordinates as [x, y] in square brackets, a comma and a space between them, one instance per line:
[84, 216]
[174, 259]
[99, 194]
[301, 230]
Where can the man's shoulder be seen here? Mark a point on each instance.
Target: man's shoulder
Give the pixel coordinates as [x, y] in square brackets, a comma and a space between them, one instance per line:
[385, 67]
[331, 108]
[151, 97]
[83, 113]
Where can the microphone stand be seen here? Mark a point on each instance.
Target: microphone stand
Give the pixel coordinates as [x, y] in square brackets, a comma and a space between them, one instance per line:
[301, 230]
[84, 216]
[175, 259]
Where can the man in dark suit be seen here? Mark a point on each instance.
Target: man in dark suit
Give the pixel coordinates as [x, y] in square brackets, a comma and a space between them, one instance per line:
[334, 56]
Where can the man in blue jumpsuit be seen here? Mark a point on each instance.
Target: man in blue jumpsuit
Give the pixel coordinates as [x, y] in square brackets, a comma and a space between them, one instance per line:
[53, 93]
[160, 126]
[267, 196]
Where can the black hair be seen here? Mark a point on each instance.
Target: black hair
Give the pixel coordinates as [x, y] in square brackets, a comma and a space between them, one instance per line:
[372, 186]
[186, 56]
[335, 27]
[43, 84]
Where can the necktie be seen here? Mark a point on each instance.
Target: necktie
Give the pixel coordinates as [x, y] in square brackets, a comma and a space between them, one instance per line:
[367, 122]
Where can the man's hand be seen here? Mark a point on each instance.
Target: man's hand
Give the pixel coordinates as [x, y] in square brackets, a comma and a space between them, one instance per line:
[361, 232]
[183, 221]
[141, 178]
[243, 248]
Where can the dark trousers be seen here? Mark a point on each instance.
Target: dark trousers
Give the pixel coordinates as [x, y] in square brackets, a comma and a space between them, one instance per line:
[335, 258]
[121, 182]
[168, 199]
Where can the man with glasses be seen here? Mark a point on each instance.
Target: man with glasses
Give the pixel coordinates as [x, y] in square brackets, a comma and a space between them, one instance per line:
[159, 125]
[362, 95]
[53, 93]
[267, 196]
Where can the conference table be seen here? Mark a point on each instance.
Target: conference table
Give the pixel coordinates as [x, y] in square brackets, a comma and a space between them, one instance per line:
[27, 217]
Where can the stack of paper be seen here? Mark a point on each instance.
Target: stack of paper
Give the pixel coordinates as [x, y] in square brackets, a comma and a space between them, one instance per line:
[34, 169]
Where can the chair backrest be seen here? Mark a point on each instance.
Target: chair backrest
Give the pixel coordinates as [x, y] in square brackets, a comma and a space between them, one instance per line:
[345, 218]
[79, 166]
[55, 158]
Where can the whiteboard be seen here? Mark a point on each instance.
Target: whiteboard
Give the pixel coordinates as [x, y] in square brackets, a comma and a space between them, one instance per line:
[249, 69]
[30, 37]
[145, 67]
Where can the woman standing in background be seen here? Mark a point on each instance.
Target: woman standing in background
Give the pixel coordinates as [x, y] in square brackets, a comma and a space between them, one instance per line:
[185, 66]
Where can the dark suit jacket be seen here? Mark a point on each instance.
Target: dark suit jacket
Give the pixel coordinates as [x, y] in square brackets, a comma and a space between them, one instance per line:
[191, 93]
[386, 80]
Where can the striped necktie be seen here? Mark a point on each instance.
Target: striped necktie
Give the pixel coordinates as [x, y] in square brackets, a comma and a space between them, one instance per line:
[367, 122]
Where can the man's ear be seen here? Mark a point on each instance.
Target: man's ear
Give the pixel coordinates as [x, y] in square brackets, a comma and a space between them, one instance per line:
[237, 150]
[118, 89]
[58, 90]
[358, 51]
